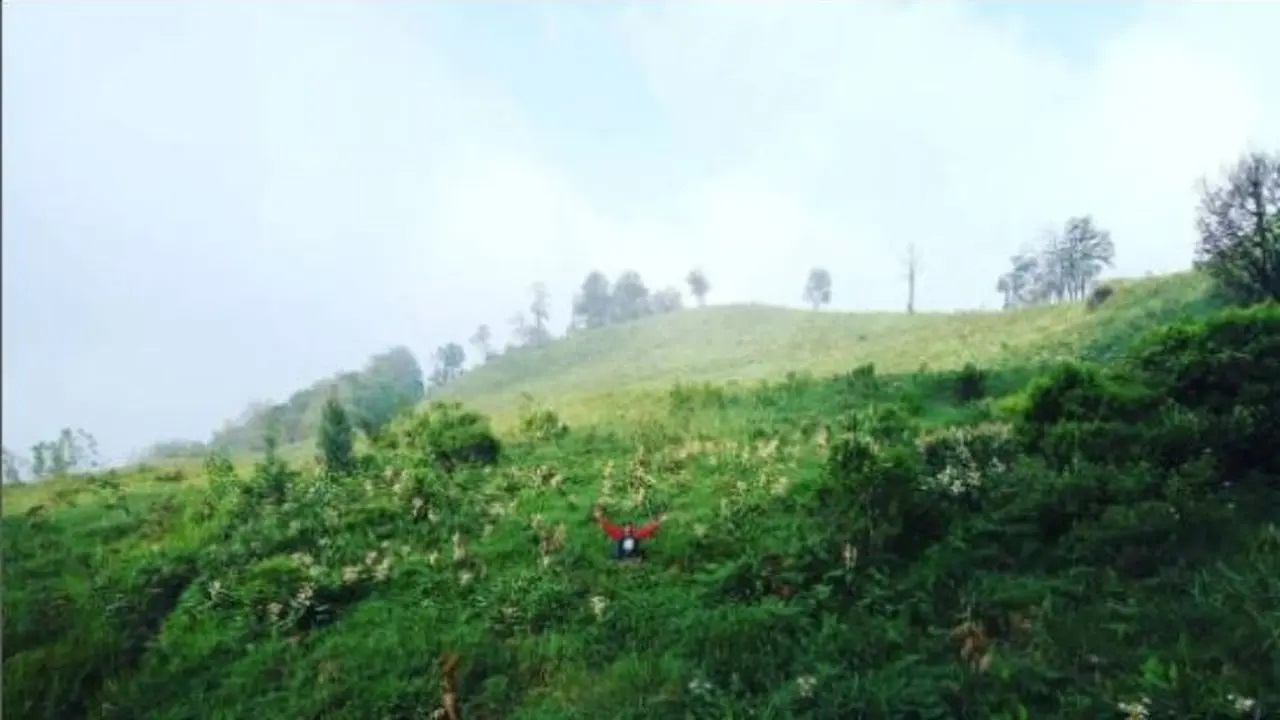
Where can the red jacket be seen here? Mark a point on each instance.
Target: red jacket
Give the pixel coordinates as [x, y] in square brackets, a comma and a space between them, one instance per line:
[644, 532]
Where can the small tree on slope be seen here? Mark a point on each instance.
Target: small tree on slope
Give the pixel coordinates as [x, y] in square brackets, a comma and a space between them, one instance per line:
[336, 438]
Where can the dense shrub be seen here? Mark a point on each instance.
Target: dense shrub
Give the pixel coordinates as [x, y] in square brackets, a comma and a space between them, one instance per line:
[450, 436]
[540, 424]
[835, 549]
[1100, 295]
[971, 384]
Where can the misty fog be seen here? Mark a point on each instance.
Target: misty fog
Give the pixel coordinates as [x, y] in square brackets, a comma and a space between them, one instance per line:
[209, 203]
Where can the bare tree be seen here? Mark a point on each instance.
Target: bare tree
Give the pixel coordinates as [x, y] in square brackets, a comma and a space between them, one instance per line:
[1019, 284]
[1239, 226]
[540, 309]
[519, 330]
[1083, 250]
[698, 285]
[449, 359]
[913, 271]
[482, 341]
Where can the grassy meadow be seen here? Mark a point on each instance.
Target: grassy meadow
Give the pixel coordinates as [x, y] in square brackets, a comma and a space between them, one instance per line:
[622, 372]
[1049, 513]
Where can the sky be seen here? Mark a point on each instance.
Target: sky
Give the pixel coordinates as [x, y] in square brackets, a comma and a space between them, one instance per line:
[209, 203]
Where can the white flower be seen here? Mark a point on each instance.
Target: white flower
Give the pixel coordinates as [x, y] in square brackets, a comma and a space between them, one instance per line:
[304, 595]
[383, 571]
[598, 605]
[805, 685]
[850, 555]
[1135, 710]
[698, 686]
[1241, 704]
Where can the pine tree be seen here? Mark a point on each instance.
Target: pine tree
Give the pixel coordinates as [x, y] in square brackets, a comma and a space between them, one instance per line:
[336, 438]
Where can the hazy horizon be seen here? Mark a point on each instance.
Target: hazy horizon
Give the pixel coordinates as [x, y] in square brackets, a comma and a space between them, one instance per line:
[211, 203]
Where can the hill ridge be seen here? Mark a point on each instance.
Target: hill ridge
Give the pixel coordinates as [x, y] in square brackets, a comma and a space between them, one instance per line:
[748, 342]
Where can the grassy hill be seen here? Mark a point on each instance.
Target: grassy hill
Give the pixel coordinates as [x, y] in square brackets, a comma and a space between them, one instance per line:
[599, 373]
[1076, 541]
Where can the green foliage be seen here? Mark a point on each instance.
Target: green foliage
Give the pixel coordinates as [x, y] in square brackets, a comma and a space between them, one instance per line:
[1064, 266]
[817, 288]
[1099, 295]
[599, 303]
[337, 440]
[971, 384]
[390, 384]
[448, 359]
[450, 436]
[72, 451]
[1239, 225]
[864, 545]
[540, 424]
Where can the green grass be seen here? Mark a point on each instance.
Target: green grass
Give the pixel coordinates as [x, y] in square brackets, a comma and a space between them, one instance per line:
[620, 372]
[812, 536]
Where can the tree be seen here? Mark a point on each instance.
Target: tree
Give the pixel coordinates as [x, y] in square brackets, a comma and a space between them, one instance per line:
[1050, 281]
[698, 285]
[12, 467]
[390, 382]
[72, 451]
[519, 330]
[592, 305]
[1239, 225]
[1018, 285]
[913, 270]
[1062, 266]
[1081, 252]
[482, 342]
[817, 289]
[336, 440]
[630, 297]
[39, 463]
[540, 309]
[666, 301]
[449, 359]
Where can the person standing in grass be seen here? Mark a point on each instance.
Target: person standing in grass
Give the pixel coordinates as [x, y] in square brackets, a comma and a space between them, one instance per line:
[628, 537]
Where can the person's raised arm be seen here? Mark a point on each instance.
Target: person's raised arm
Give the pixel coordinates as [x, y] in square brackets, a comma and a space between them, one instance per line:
[613, 531]
[644, 532]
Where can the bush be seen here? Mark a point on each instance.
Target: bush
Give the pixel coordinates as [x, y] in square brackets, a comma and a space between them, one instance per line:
[1230, 360]
[539, 424]
[687, 397]
[971, 384]
[451, 436]
[1099, 295]
[1226, 369]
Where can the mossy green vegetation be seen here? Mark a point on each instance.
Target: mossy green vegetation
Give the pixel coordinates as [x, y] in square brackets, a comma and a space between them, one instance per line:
[1082, 538]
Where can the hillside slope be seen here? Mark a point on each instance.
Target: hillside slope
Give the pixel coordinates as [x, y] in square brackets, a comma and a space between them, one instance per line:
[753, 342]
[860, 546]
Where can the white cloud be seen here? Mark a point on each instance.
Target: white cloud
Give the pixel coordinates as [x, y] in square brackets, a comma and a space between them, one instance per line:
[317, 183]
[891, 123]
